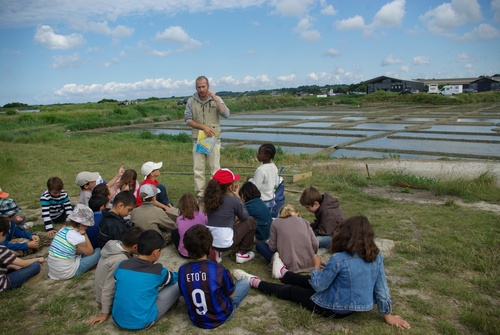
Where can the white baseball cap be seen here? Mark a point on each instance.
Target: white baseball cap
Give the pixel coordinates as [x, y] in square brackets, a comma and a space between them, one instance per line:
[149, 167]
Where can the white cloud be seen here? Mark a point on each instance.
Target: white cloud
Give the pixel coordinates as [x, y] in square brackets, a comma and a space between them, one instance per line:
[420, 60]
[122, 90]
[332, 52]
[328, 10]
[62, 62]
[451, 15]
[482, 32]
[177, 35]
[391, 60]
[293, 7]
[390, 15]
[405, 68]
[158, 53]
[104, 29]
[289, 78]
[45, 36]
[249, 52]
[353, 23]
[304, 30]
[495, 6]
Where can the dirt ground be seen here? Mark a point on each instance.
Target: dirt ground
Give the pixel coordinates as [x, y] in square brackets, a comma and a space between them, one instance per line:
[170, 258]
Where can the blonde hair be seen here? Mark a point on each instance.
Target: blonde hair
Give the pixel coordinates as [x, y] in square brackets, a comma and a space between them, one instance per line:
[287, 211]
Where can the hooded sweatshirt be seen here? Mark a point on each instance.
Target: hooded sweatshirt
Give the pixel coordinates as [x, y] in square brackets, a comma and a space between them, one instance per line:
[328, 216]
[111, 255]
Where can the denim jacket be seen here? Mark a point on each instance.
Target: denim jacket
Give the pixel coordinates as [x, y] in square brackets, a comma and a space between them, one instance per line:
[350, 283]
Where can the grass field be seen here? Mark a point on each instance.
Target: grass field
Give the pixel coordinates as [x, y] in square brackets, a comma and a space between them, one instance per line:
[443, 271]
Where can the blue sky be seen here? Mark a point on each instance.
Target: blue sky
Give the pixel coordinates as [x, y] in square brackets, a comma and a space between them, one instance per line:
[57, 51]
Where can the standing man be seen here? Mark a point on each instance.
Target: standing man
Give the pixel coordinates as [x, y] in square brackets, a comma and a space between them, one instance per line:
[203, 111]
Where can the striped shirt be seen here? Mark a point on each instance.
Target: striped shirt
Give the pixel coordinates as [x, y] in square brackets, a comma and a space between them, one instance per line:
[54, 207]
[206, 287]
[61, 247]
[6, 258]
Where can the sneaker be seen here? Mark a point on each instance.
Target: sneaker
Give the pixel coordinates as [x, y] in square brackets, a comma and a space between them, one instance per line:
[277, 266]
[250, 279]
[243, 258]
[215, 256]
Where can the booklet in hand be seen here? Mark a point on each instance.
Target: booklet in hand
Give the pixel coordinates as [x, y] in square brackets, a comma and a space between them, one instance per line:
[205, 144]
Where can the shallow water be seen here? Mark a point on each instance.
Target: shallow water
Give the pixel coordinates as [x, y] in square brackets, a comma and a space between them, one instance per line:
[347, 133]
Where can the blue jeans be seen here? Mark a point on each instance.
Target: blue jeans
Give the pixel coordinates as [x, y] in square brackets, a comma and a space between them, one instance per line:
[273, 208]
[324, 241]
[241, 291]
[18, 277]
[88, 262]
[263, 249]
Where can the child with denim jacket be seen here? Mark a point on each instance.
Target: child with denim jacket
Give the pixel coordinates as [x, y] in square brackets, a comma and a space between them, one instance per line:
[353, 280]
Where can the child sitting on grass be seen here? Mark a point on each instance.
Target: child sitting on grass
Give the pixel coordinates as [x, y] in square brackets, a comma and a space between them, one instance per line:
[149, 216]
[70, 253]
[190, 215]
[145, 290]
[113, 225]
[257, 209]
[207, 287]
[327, 214]
[292, 242]
[222, 206]
[14, 272]
[56, 205]
[111, 255]
[20, 242]
[352, 281]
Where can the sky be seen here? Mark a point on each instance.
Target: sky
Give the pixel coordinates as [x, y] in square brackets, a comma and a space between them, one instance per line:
[67, 51]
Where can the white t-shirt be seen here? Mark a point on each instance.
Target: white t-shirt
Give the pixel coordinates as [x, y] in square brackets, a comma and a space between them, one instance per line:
[267, 180]
[65, 266]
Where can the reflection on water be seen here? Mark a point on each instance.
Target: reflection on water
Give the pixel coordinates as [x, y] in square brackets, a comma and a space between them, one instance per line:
[450, 136]
[382, 126]
[483, 149]
[479, 120]
[314, 124]
[345, 153]
[462, 129]
[309, 132]
[319, 140]
[418, 119]
[278, 117]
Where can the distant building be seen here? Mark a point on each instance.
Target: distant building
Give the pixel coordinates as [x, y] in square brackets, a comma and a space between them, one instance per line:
[485, 84]
[390, 84]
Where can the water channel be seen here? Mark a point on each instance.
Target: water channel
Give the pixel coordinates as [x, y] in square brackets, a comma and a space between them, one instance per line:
[353, 132]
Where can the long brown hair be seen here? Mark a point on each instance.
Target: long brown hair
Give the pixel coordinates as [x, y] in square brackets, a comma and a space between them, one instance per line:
[355, 235]
[213, 195]
[129, 176]
[188, 205]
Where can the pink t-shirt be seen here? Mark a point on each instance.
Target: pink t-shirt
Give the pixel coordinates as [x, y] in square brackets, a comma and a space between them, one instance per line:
[184, 224]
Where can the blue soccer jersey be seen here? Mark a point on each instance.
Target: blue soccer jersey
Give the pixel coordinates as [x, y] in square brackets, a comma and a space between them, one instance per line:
[206, 287]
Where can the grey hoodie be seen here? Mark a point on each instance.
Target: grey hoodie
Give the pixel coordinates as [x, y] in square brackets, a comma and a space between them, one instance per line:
[111, 255]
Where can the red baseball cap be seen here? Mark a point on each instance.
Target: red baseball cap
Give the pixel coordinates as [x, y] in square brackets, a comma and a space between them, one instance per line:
[225, 176]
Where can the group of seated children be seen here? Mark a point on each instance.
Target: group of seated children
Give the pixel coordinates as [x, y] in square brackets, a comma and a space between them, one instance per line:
[136, 291]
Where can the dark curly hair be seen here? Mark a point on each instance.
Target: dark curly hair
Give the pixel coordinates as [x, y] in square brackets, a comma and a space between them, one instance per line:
[213, 195]
[355, 235]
